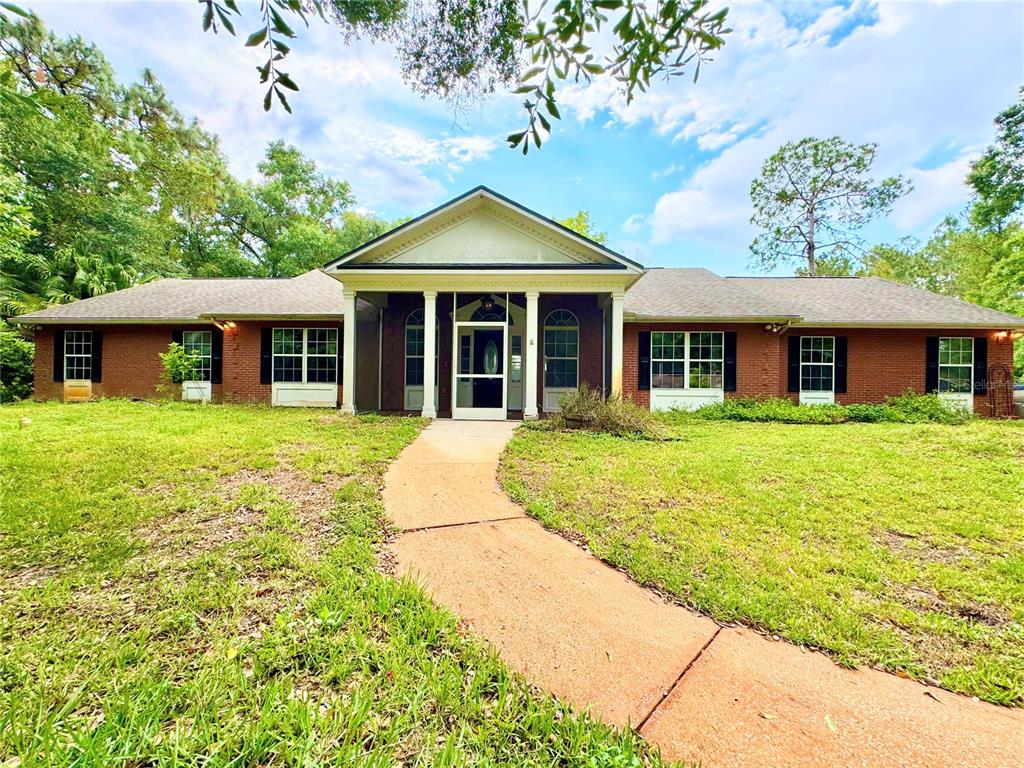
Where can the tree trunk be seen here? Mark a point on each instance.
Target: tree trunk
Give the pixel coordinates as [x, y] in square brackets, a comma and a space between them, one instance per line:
[811, 263]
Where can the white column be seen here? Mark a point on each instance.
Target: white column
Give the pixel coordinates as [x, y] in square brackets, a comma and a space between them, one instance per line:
[429, 350]
[530, 372]
[348, 355]
[616, 388]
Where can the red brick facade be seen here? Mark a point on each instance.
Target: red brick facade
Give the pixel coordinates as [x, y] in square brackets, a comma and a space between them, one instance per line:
[880, 362]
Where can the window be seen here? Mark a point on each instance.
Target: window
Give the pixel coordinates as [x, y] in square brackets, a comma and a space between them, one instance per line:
[561, 350]
[77, 355]
[956, 364]
[817, 363]
[516, 368]
[415, 347]
[683, 360]
[200, 344]
[306, 355]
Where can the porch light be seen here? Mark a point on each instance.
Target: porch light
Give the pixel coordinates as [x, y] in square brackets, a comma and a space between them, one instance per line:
[487, 303]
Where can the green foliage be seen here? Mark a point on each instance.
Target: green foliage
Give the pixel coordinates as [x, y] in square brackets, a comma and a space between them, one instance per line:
[180, 365]
[17, 356]
[582, 223]
[587, 408]
[997, 177]
[462, 51]
[906, 408]
[811, 199]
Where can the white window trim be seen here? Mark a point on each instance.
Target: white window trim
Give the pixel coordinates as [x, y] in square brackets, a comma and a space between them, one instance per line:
[88, 358]
[831, 365]
[969, 366]
[547, 357]
[686, 359]
[208, 358]
[305, 356]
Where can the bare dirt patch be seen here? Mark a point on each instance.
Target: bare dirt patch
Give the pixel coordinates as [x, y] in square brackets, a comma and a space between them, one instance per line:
[915, 547]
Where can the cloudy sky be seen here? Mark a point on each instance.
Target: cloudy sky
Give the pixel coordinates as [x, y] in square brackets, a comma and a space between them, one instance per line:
[666, 176]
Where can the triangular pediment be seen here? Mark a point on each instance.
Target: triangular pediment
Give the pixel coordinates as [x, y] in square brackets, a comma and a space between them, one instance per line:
[485, 231]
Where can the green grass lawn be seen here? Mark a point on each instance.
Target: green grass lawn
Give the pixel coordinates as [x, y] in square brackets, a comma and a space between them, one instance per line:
[900, 546]
[186, 585]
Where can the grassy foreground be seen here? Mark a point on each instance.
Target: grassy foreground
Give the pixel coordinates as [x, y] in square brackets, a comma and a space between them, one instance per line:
[897, 545]
[186, 585]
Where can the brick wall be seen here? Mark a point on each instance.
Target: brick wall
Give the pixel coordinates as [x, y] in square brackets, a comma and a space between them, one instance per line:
[588, 313]
[132, 368]
[880, 362]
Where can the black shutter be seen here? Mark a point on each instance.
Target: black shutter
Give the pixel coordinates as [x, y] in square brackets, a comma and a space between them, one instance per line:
[266, 350]
[931, 364]
[58, 355]
[97, 357]
[793, 379]
[216, 355]
[980, 365]
[643, 366]
[339, 375]
[729, 385]
[839, 385]
[178, 337]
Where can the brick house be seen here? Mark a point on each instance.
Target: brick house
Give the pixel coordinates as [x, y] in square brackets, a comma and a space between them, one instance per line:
[523, 310]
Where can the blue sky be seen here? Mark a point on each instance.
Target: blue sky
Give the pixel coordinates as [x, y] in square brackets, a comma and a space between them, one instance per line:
[666, 176]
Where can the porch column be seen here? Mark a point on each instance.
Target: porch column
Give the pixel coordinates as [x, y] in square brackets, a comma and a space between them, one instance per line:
[616, 388]
[530, 374]
[429, 350]
[348, 355]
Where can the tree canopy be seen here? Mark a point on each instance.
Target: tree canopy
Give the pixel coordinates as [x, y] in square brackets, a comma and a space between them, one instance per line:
[581, 222]
[997, 177]
[463, 50]
[811, 199]
[105, 185]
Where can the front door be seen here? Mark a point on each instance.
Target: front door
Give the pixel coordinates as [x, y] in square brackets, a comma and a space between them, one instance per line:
[480, 375]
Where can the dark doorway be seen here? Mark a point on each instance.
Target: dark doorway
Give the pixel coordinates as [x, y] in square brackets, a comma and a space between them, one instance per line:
[487, 393]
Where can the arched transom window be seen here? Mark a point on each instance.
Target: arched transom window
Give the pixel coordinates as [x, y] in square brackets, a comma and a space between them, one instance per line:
[561, 350]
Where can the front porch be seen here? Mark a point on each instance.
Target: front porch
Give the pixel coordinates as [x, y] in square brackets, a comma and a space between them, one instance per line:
[496, 354]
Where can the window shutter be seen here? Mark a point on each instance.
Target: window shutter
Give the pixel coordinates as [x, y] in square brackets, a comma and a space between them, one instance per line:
[341, 355]
[931, 365]
[840, 370]
[97, 357]
[980, 365]
[643, 367]
[177, 337]
[266, 350]
[58, 355]
[729, 385]
[793, 378]
[216, 355]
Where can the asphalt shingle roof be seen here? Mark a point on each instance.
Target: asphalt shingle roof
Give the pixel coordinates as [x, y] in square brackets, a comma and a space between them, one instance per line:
[312, 294]
[697, 293]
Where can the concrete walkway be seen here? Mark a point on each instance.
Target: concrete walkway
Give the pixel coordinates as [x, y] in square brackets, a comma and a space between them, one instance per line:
[585, 632]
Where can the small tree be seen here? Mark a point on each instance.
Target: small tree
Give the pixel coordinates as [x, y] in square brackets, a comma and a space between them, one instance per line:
[581, 222]
[997, 177]
[180, 365]
[811, 198]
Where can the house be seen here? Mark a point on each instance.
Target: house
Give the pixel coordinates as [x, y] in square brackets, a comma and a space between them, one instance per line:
[482, 308]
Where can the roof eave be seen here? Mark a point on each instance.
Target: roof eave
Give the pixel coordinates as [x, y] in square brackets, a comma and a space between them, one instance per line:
[632, 317]
[29, 320]
[1018, 325]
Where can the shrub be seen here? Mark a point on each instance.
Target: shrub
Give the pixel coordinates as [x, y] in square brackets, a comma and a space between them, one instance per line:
[17, 374]
[179, 365]
[587, 408]
[906, 408]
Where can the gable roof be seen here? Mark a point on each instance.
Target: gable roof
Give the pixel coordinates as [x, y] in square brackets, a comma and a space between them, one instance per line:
[312, 295]
[357, 258]
[870, 302]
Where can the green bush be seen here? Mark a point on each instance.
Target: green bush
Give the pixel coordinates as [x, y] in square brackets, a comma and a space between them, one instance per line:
[905, 408]
[587, 408]
[17, 356]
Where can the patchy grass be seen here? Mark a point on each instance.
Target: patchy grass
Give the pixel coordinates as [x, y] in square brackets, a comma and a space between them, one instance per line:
[186, 585]
[895, 545]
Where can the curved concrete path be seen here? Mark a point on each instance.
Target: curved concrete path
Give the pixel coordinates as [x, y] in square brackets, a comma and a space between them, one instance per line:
[585, 632]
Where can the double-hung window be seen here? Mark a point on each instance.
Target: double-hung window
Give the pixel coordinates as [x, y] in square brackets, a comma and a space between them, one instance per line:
[687, 360]
[956, 364]
[77, 355]
[817, 363]
[200, 344]
[561, 350]
[306, 355]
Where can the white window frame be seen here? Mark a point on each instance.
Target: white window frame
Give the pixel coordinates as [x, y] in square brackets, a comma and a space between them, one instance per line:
[817, 396]
[551, 394]
[960, 399]
[305, 355]
[206, 360]
[686, 397]
[78, 341]
[413, 393]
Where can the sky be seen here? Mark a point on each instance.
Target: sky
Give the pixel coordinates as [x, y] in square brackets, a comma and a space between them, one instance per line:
[667, 176]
